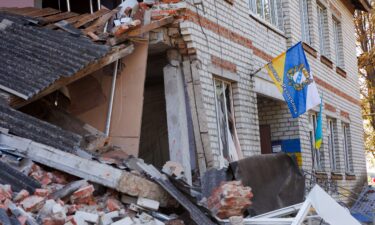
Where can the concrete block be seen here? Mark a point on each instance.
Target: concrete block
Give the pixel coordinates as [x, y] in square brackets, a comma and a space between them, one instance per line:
[107, 219]
[125, 221]
[148, 203]
[86, 217]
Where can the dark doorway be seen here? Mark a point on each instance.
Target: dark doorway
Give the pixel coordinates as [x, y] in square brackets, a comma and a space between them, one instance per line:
[265, 139]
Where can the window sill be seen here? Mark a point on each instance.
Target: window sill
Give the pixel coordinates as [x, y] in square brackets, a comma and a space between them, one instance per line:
[321, 175]
[310, 50]
[341, 72]
[350, 176]
[337, 176]
[268, 25]
[326, 61]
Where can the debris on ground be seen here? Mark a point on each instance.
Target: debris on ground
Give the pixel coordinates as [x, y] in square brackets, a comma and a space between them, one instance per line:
[230, 199]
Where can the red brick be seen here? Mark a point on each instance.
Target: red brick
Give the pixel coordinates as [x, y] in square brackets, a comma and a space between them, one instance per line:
[329, 107]
[229, 199]
[53, 221]
[5, 192]
[21, 196]
[113, 204]
[83, 195]
[33, 203]
[41, 192]
[345, 114]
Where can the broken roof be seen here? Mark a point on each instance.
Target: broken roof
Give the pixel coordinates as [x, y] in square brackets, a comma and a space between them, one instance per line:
[26, 126]
[34, 57]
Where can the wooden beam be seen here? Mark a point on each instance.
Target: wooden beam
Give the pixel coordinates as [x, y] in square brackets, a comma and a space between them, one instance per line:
[93, 171]
[117, 53]
[141, 30]
[58, 17]
[44, 12]
[100, 22]
[90, 17]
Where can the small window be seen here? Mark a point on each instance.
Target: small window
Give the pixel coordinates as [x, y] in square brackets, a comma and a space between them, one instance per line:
[228, 141]
[316, 154]
[347, 148]
[322, 26]
[331, 130]
[305, 29]
[337, 41]
[269, 10]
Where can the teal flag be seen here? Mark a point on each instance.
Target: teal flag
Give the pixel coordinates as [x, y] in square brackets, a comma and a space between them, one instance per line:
[319, 128]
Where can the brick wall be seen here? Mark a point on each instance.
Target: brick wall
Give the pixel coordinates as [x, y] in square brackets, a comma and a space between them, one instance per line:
[276, 114]
[227, 31]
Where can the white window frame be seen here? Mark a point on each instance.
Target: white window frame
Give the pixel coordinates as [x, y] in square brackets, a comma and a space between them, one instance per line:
[316, 154]
[331, 143]
[321, 15]
[347, 150]
[305, 29]
[224, 161]
[259, 8]
[337, 38]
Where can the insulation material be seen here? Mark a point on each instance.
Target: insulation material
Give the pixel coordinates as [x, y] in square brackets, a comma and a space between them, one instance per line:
[128, 102]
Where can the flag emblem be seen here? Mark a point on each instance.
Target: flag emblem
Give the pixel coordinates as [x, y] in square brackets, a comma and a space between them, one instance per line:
[290, 71]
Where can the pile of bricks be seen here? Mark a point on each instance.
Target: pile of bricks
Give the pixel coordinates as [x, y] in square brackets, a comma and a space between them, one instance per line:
[229, 199]
[81, 205]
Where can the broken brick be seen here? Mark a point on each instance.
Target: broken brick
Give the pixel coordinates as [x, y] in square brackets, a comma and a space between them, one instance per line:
[5, 192]
[82, 195]
[21, 195]
[41, 192]
[113, 205]
[53, 221]
[33, 203]
[229, 199]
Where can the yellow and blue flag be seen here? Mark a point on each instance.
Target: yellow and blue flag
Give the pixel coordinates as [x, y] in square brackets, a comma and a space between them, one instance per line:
[319, 129]
[290, 72]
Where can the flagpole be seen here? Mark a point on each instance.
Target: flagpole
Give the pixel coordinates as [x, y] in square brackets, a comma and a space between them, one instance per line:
[258, 70]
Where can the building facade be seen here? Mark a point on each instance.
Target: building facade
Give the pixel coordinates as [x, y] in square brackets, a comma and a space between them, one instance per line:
[245, 114]
[232, 109]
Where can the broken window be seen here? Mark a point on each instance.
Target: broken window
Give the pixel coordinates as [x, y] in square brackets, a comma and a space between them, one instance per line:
[347, 148]
[227, 135]
[304, 7]
[331, 130]
[316, 154]
[269, 10]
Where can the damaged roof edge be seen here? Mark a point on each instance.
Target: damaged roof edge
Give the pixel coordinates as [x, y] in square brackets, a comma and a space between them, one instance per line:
[117, 53]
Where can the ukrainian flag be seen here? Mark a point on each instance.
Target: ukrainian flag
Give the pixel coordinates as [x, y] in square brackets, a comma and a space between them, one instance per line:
[290, 72]
[319, 129]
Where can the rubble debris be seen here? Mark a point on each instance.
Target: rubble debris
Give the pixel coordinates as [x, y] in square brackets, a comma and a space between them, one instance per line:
[229, 199]
[4, 219]
[195, 213]
[105, 175]
[173, 169]
[32, 203]
[18, 180]
[148, 203]
[125, 221]
[276, 186]
[68, 189]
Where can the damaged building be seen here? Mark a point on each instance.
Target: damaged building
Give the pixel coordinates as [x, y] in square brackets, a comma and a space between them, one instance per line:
[180, 82]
